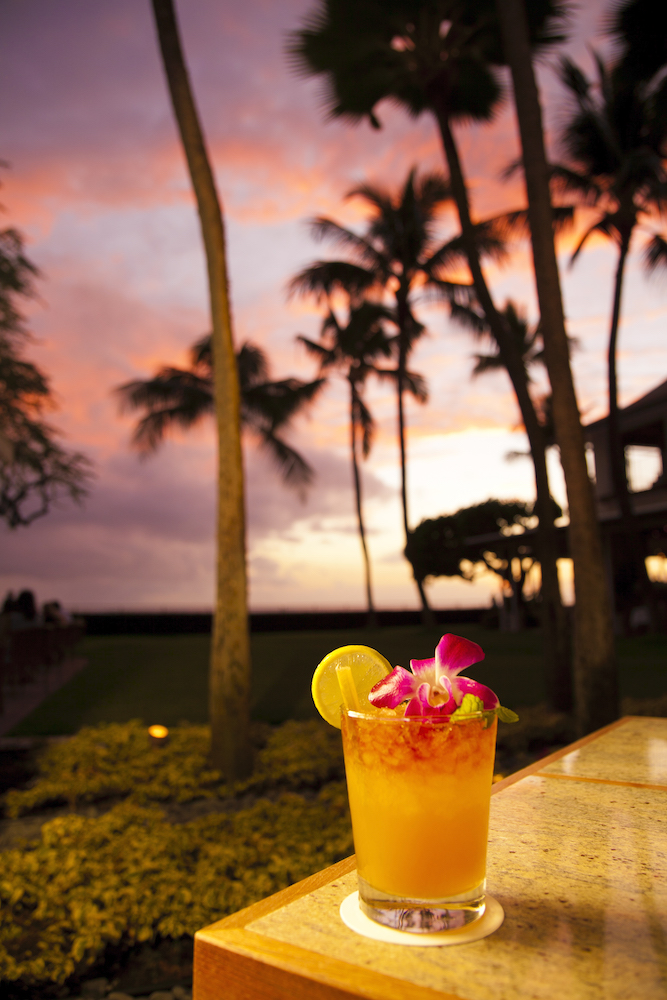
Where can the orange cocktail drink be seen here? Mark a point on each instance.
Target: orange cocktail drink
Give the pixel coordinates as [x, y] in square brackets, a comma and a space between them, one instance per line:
[419, 750]
[419, 790]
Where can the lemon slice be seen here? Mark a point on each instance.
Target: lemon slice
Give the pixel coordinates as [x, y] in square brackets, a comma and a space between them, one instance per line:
[350, 669]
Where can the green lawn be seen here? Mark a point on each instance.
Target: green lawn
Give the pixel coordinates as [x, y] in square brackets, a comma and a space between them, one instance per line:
[164, 678]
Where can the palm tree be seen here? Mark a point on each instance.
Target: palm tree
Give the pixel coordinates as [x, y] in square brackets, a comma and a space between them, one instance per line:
[595, 670]
[528, 340]
[183, 397]
[640, 27]
[437, 57]
[397, 253]
[229, 690]
[556, 634]
[614, 148]
[354, 349]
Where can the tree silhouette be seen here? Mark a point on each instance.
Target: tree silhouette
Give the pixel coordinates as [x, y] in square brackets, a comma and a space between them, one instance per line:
[354, 348]
[439, 56]
[229, 690]
[35, 470]
[614, 142]
[477, 540]
[528, 340]
[595, 671]
[639, 28]
[182, 397]
[396, 255]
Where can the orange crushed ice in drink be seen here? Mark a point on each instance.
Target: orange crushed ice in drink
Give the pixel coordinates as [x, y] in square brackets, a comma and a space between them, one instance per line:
[419, 798]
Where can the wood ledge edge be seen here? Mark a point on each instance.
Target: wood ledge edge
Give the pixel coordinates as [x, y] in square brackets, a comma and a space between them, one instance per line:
[322, 969]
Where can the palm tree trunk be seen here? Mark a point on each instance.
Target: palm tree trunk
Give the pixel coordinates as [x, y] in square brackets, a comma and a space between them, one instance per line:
[372, 616]
[401, 441]
[630, 576]
[230, 648]
[555, 632]
[427, 616]
[596, 683]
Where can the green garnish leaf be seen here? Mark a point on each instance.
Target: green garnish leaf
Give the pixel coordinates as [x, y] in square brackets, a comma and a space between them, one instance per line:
[470, 705]
[506, 714]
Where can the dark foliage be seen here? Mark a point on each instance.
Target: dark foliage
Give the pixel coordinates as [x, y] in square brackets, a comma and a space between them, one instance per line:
[35, 470]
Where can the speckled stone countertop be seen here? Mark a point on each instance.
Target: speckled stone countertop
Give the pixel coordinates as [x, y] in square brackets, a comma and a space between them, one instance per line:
[578, 860]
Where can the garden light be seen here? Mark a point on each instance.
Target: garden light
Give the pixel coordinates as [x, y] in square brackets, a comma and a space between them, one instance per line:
[158, 735]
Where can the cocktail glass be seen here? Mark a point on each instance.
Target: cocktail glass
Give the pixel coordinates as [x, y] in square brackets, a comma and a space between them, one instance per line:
[420, 790]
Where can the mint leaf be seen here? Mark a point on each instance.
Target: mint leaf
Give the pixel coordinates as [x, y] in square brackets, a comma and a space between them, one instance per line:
[506, 714]
[470, 705]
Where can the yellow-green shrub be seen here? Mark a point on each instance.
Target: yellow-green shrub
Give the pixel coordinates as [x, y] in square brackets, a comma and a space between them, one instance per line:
[116, 759]
[129, 876]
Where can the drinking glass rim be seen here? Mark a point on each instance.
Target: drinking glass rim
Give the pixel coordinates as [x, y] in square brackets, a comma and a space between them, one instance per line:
[422, 719]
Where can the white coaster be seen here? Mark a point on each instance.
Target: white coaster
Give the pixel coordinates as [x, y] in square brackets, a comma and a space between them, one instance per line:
[357, 921]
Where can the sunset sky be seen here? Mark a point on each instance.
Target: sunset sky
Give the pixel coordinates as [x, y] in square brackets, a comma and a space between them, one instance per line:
[96, 181]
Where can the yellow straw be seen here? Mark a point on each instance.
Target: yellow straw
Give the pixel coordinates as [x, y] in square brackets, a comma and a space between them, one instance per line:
[348, 689]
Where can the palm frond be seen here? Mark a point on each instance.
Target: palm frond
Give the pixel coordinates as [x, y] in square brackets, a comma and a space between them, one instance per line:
[177, 397]
[640, 26]
[468, 317]
[432, 191]
[574, 79]
[173, 398]
[490, 240]
[570, 181]
[416, 385]
[330, 324]
[323, 354]
[449, 254]
[605, 225]
[326, 229]
[451, 292]
[323, 277]
[294, 469]
[252, 364]
[201, 353]
[377, 197]
[485, 363]
[179, 388]
[563, 217]
[363, 419]
[274, 404]
[510, 225]
[655, 254]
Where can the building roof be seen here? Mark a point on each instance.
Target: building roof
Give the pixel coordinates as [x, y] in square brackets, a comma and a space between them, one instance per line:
[649, 408]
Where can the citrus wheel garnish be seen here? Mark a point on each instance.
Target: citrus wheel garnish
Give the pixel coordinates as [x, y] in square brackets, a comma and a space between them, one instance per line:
[360, 664]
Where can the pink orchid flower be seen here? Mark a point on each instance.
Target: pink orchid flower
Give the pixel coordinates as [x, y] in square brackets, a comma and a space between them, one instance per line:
[434, 687]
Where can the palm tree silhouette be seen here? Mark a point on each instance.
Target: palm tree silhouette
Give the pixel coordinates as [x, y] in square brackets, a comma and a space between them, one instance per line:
[531, 348]
[529, 344]
[353, 348]
[639, 27]
[439, 57]
[397, 254]
[614, 144]
[178, 397]
[229, 679]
